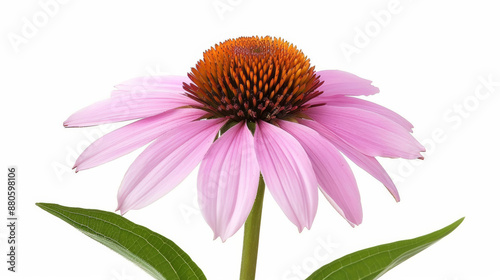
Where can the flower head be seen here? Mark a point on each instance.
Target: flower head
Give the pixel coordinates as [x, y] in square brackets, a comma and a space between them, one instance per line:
[302, 121]
[252, 78]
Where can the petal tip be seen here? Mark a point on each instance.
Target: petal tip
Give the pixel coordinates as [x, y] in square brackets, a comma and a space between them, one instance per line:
[120, 212]
[121, 209]
[355, 219]
[68, 124]
[357, 222]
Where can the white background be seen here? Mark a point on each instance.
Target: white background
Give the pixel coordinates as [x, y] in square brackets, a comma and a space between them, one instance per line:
[428, 59]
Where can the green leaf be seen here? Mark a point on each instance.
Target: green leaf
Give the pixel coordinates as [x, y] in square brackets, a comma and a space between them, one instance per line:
[157, 255]
[374, 262]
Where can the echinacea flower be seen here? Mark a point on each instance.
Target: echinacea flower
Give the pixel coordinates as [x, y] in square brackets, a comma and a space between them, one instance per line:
[279, 118]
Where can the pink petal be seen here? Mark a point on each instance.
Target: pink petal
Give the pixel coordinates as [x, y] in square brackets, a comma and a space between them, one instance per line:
[130, 137]
[228, 181]
[334, 175]
[288, 173]
[368, 163]
[165, 163]
[126, 107]
[157, 83]
[347, 101]
[338, 82]
[370, 133]
[134, 99]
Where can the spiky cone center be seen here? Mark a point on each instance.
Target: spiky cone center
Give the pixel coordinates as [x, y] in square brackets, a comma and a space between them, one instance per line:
[253, 78]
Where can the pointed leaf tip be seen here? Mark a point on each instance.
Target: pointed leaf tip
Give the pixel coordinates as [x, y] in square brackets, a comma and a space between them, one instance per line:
[371, 263]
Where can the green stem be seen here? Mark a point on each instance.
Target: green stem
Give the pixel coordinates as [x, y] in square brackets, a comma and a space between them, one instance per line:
[251, 238]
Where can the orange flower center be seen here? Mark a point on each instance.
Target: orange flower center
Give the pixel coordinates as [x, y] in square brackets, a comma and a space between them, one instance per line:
[253, 78]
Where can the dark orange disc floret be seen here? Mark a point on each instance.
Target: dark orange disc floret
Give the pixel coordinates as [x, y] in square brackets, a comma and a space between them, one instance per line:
[253, 78]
